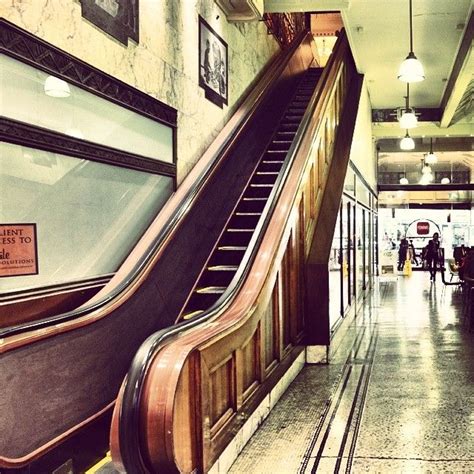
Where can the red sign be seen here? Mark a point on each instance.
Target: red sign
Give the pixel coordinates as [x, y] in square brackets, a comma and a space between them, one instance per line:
[422, 228]
[18, 251]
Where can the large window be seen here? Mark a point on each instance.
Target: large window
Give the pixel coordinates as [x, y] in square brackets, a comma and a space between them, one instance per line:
[85, 160]
[352, 253]
[87, 214]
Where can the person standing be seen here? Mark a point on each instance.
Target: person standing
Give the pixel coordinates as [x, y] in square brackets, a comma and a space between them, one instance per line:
[402, 253]
[432, 255]
[412, 252]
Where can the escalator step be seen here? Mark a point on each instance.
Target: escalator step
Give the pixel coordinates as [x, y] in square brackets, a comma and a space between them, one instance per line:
[293, 118]
[192, 314]
[223, 268]
[264, 178]
[276, 152]
[232, 248]
[211, 290]
[272, 162]
[288, 126]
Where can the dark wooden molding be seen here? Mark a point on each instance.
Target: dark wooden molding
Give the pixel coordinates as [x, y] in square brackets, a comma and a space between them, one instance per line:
[24, 134]
[27, 48]
[390, 145]
[458, 63]
[390, 115]
[429, 187]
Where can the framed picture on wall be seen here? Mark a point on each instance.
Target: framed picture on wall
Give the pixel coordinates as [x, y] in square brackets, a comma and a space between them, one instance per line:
[118, 18]
[213, 70]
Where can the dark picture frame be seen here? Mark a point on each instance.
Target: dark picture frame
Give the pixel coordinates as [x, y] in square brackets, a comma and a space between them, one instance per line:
[118, 18]
[213, 64]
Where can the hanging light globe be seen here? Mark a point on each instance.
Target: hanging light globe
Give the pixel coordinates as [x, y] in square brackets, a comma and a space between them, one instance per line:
[407, 143]
[408, 119]
[55, 87]
[445, 180]
[431, 158]
[411, 69]
[404, 181]
[426, 169]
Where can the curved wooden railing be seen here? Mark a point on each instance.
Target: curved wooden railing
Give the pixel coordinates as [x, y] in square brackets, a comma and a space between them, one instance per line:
[84, 354]
[185, 397]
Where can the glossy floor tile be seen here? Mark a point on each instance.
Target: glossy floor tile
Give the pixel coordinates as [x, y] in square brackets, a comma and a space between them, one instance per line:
[399, 399]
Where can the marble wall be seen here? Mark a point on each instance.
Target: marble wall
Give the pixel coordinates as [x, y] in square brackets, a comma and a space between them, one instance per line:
[165, 62]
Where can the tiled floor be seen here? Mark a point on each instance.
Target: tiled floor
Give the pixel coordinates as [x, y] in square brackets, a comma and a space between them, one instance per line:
[400, 399]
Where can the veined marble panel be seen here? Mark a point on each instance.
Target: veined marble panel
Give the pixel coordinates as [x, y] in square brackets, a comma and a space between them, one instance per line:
[165, 62]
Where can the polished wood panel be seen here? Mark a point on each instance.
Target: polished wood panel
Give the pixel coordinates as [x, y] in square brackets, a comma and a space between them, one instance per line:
[221, 392]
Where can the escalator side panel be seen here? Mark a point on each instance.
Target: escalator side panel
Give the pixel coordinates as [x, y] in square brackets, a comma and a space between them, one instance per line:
[53, 385]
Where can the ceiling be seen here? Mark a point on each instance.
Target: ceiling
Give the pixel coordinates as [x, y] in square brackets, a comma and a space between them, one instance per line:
[378, 32]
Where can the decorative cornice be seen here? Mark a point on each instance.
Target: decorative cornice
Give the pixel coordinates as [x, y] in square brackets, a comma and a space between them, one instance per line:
[24, 134]
[29, 49]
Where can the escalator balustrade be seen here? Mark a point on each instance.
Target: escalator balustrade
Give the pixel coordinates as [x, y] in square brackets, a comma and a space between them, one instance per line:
[225, 259]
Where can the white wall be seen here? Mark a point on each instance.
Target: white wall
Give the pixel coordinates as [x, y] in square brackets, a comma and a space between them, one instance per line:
[362, 151]
[165, 62]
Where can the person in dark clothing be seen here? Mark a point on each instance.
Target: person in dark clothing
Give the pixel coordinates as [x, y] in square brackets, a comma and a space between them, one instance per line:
[413, 252]
[459, 253]
[432, 255]
[402, 253]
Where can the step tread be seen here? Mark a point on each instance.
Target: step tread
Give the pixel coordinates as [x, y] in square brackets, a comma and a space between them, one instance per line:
[192, 314]
[222, 268]
[231, 248]
[211, 290]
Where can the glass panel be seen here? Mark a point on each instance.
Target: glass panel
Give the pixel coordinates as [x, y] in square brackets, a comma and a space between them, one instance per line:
[349, 183]
[346, 264]
[352, 248]
[88, 215]
[359, 250]
[78, 113]
[363, 194]
[335, 275]
[368, 249]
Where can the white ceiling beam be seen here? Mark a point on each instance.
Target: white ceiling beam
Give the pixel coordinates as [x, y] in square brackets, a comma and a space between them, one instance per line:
[460, 85]
[288, 6]
[461, 76]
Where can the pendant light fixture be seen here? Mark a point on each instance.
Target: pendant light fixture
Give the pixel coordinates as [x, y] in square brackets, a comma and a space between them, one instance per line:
[55, 87]
[404, 180]
[431, 158]
[408, 118]
[411, 69]
[407, 143]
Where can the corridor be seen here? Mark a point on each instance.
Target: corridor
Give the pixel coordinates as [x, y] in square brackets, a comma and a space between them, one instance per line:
[399, 397]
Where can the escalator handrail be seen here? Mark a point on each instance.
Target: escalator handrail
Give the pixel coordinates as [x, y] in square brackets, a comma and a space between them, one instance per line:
[131, 455]
[174, 210]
